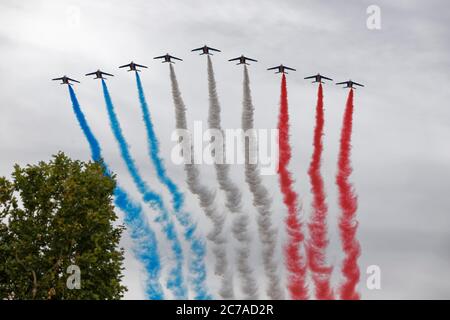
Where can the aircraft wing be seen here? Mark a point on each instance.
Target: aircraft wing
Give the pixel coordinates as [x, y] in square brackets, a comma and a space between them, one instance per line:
[160, 57]
[345, 82]
[327, 78]
[235, 59]
[273, 68]
[108, 74]
[311, 77]
[57, 79]
[358, 84]
[251, 59]
[212, 49]
[73, 80]
[90, 74]
[176, 58]
[140, 65]
[198, 49]
[290, 68]
[125, 65]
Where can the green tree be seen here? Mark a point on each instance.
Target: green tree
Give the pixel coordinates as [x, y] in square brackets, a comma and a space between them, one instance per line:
[54, 215]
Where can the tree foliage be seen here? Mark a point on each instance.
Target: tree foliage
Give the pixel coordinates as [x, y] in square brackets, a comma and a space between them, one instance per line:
[53, 215]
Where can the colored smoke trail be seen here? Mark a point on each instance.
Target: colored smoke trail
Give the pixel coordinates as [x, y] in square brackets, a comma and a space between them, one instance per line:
[153, 148]
[233, 196]
[222, 175]
[317, 226]
[261, 200]
[295, 261]
[176, 280]
[233, 201]
[197, 247]
[145, 246]
[348, 204]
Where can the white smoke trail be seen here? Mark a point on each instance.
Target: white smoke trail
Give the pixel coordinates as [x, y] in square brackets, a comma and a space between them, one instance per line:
[207, 199]
[261, 199]
[233, 196]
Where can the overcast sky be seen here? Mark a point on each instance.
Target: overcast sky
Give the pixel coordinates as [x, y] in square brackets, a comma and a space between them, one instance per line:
[401, 153]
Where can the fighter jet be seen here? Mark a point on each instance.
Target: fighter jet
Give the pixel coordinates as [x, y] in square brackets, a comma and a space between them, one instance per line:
[167, 58]
[205, 50]
[133, 66]
[99, 74]
[318, 78]
[281, 69]
[66, 80]
[350, 83]
[242, 60]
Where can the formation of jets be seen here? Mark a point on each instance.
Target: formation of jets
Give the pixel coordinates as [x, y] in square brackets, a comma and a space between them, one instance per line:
[205, 50]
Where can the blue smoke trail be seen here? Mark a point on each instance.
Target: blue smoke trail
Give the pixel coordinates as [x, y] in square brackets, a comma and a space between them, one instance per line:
[176, 282]
[177, 196]
[197, 265]
[144, 240]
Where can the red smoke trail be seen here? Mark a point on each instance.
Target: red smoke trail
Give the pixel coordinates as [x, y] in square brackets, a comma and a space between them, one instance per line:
[348, 204]
[294, 259]
[318, 242]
